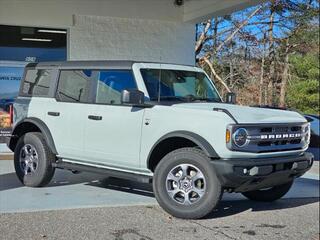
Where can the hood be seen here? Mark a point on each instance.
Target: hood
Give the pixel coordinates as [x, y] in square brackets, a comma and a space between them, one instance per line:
[244, 114]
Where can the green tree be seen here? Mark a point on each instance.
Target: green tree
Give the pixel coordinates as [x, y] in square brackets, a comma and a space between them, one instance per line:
[304, 96]
[303, 92]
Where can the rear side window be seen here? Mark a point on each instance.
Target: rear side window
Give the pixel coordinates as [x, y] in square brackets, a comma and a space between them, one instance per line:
[74, 86]
[111, 83]
[36, 83]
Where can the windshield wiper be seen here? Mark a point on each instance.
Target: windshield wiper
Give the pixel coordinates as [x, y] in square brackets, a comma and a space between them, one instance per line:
[169, 98]
[188, 98]
[205, 99]
[192, 98]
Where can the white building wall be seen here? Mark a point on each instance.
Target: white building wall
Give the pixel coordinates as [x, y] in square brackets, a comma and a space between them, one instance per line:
[58, 13]
[100, 38]
[147, 30]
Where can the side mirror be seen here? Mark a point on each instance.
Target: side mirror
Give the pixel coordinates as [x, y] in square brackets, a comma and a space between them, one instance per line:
[132, 97]
[231, 98]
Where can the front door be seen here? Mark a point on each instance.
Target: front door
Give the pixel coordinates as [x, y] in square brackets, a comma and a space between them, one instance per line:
[112, 130]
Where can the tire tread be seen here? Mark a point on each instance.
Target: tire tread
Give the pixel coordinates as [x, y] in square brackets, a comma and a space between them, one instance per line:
[212, 198]
[49, 158]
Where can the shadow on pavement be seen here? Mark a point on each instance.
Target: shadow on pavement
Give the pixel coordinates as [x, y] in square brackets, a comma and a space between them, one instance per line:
[229, 208]
[143, 189]
[309, 181]
[225, 207]
[65, 178]
[9, 181]
[62, 178]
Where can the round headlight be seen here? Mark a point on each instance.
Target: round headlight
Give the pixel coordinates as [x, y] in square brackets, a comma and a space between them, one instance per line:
[306, 129]
[240, 137]
[307, 134]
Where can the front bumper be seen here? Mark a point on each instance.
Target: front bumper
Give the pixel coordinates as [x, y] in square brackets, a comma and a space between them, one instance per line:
[242, 175]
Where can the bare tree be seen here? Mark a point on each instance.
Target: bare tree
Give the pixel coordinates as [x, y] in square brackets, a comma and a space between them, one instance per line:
[250, 51]
[202, 37]
[285, 75]
[262, 83]
[205, 59]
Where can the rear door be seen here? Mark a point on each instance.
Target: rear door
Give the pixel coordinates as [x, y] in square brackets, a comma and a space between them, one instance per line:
[112, 130]
[66, 113]
[36, 91]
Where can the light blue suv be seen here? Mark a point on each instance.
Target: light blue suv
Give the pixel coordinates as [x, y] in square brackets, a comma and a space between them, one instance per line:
[159, 123]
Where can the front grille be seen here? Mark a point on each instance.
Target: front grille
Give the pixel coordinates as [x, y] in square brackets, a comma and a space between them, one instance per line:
[274, 137]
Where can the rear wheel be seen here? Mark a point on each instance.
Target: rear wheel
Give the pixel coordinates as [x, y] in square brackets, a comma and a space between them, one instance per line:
[269, 194]
[33, 160]
[185, 184]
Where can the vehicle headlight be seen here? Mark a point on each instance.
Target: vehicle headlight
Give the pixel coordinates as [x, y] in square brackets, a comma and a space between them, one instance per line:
[240, 137]
[307, 133]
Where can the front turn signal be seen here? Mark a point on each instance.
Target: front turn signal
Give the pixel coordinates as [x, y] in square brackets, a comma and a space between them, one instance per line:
[228, 136]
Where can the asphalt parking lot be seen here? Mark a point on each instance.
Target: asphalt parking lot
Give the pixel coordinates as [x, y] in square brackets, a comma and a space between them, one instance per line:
[88, 206]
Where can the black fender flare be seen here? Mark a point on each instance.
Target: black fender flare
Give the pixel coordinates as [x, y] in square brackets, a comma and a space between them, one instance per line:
[39, 124]
[197, 139]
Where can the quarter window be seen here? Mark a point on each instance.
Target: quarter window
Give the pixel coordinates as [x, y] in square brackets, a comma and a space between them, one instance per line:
[37, 83]
[110, 85]
[74, 86]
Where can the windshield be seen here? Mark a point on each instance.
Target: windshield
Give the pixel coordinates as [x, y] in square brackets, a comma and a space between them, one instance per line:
[179, 85]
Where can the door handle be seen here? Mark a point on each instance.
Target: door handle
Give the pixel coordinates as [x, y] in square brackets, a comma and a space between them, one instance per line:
[55, 114]
[96, 118]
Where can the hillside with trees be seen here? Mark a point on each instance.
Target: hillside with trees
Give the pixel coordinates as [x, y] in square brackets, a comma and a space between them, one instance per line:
[267, 54]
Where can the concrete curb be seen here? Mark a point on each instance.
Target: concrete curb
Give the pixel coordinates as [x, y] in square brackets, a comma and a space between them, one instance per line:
[5, 156]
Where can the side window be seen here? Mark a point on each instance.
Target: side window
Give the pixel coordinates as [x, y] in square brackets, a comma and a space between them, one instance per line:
[74, 86]
[36, 83]
[111, 83]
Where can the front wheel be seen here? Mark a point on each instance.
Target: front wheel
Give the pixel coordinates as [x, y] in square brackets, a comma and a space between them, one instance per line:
[269, 194]
[33, 160]
[185, 184]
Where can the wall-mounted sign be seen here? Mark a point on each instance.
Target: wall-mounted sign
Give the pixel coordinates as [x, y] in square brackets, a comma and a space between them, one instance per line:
[31, 59]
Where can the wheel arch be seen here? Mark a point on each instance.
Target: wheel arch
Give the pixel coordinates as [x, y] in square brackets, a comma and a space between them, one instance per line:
[175, 140]
[31, 125]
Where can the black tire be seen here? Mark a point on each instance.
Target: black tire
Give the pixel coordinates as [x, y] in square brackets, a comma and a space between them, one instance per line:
[211, 193]
[43, 170]
[270, 194]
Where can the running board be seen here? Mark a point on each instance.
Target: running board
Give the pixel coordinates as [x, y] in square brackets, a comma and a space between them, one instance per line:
[104, 171]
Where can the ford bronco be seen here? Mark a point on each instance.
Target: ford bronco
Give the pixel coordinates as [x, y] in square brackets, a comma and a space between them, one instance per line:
[163, 124]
